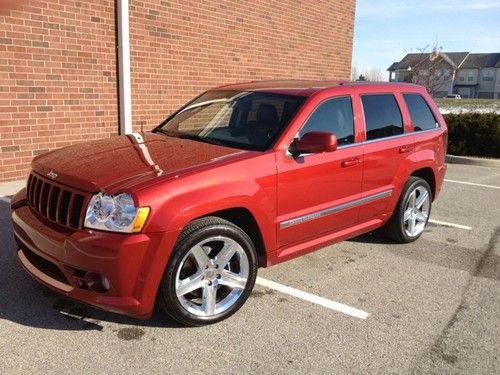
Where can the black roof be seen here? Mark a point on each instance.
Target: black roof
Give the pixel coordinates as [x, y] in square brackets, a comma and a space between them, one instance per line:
[456, 59]
[393, 66]
[493, 60]
[475, 60]
[413, 59]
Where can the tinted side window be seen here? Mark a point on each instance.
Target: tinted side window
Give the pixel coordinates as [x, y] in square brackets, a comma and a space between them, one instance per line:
[382, 116]
[420, 113]
[334, 115]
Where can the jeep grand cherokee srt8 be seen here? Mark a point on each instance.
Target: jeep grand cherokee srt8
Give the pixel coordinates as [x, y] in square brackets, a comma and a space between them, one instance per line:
[243, 176]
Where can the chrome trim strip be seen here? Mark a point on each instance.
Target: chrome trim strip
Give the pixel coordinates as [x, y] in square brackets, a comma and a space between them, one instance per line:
[402, 135]
[354, 144]
[406, 134]
[414, 132]
[334, 209]
[289, 155]
[427, 130]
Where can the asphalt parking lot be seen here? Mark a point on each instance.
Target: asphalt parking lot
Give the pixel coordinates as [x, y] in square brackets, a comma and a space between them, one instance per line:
[429, 307]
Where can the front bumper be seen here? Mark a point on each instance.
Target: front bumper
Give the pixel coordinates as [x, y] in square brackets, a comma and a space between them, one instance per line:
[61, 258]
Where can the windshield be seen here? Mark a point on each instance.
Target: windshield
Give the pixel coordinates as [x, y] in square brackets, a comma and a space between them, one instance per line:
[240, 119]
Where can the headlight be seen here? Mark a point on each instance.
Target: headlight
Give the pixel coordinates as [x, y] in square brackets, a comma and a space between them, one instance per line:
[115, 213]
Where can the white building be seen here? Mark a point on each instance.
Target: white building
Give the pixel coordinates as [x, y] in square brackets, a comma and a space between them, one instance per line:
[472, 75]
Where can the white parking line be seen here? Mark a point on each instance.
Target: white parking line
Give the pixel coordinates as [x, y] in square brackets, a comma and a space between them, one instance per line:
[5, 199]
[452, 225]
[472, 184]
[340, 307]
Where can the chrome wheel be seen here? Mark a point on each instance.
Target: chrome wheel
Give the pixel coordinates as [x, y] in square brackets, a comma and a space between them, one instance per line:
[416, 211]
[212, 276]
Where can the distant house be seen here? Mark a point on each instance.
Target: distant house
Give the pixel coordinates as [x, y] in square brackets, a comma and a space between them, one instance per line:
[472, 75]
[479, 76]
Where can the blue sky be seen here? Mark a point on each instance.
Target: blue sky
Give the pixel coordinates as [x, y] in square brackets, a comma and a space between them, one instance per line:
[385, 30]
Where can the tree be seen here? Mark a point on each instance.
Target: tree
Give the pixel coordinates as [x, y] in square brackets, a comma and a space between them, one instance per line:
[373, 74]
[354, 73]
[432, 69]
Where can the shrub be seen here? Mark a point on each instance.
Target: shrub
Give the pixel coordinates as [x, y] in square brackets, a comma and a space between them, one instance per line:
[474, 134]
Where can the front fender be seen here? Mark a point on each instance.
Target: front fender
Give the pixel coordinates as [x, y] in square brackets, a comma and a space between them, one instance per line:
[248, 184]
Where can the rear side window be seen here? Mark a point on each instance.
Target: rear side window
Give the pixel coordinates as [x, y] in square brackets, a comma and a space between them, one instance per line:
[382, 116]
[333, 116]
[420, 113]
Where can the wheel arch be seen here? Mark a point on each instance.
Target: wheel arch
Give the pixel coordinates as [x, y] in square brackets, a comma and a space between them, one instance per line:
[244, 219]
[427, 174]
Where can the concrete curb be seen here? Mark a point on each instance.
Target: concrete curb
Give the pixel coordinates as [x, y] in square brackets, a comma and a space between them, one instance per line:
[482, 162]
[11, 187]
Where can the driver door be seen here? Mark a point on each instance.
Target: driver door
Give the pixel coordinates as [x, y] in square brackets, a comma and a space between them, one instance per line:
[317, 193]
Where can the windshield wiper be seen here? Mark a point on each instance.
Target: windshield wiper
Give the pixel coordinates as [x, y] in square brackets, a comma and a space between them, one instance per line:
[191, 137]
[213, 141]
[165, 132]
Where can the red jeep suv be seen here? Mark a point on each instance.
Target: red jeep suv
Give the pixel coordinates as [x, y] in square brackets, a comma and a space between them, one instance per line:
[242, 176]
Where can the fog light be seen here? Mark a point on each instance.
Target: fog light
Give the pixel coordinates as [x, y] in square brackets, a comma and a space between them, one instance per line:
[97, 283]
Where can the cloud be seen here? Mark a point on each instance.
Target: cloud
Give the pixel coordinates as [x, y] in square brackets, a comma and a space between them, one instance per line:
[387, 29]
[388, 43]
[387, 9]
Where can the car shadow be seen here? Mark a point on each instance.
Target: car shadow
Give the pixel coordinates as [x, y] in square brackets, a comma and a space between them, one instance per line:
[372, 238]
[25, 301]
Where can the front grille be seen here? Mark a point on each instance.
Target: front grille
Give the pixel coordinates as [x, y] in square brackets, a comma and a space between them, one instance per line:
[55, 202]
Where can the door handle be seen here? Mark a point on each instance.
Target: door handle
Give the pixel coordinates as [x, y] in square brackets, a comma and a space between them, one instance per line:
[350, 162]
[405, 149]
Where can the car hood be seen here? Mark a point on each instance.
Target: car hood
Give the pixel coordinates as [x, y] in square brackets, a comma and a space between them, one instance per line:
[124, 161]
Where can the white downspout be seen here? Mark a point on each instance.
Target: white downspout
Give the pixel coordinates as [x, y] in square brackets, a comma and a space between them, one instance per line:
[124, 80]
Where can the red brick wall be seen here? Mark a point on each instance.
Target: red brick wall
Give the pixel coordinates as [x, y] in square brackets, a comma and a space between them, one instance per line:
[181, 47]
[57, 78]
[58, 61]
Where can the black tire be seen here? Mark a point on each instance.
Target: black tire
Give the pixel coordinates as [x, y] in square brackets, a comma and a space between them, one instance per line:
[395, 228]
[183, 258]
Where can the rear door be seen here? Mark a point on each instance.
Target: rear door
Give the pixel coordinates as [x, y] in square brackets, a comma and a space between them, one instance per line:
[388, 143]
[427, 132]
[315, 191]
